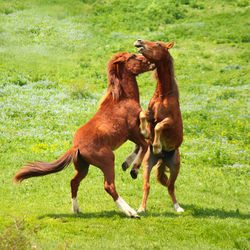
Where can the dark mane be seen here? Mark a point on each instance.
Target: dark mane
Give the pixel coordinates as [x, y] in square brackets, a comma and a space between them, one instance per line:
[114, 72]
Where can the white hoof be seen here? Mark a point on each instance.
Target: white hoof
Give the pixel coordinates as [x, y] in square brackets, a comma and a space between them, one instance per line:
[141, 210]
[177, 208]
[75, 207]
[157, 148]
[124, 207]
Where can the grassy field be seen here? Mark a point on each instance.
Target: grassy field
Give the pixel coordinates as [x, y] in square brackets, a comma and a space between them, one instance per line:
[53, 57]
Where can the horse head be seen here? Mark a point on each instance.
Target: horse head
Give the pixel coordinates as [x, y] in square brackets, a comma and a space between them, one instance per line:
[153, 51]
[125, 64]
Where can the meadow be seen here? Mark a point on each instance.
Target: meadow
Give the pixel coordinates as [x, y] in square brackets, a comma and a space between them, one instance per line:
[53, 57]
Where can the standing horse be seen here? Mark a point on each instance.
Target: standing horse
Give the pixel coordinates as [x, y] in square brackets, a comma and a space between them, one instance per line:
[116, 121]
[164, 122]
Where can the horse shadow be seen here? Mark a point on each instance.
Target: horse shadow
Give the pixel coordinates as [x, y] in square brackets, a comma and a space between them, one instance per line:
[83, 215]
[190, 210]
[201, 212]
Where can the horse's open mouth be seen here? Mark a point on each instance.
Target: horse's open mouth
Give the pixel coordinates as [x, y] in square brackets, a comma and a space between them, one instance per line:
[140, 47]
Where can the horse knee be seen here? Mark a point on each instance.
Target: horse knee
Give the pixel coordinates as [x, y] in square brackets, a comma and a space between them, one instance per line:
[144, 114]
[107, 188]
[158, 127]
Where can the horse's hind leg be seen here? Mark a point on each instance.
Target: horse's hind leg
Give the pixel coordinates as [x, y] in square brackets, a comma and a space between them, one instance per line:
[82, 168]
[149, 161]
[130, 158]
[109, 186]
[173, 162]
[105, 161]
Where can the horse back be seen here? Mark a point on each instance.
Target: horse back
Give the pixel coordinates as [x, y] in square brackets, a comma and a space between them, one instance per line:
[110, 126]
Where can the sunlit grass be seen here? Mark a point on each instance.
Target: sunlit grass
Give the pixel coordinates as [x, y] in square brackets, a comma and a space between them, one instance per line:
[53, 58]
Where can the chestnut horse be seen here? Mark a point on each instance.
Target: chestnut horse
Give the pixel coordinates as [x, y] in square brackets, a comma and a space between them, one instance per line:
[116, 121]
[164, 122]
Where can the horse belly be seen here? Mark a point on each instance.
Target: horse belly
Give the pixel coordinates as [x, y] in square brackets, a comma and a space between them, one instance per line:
[116, 144]
[93, 138]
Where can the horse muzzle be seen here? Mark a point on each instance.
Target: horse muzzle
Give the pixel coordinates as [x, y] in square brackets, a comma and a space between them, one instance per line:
[139, 45]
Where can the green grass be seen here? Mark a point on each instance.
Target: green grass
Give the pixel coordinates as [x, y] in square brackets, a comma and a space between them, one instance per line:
[53, 57]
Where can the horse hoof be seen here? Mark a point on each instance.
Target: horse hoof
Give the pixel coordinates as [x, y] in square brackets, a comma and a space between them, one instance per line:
[76, 210]
[133, 173]
[125, 166]
[135, 216]
[75, 207]
[141, 210]
[178, 209]
[157, 149]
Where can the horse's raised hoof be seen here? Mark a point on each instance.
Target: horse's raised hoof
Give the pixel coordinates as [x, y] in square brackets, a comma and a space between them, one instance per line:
[125, 166]
[157, 149]
[133, 173]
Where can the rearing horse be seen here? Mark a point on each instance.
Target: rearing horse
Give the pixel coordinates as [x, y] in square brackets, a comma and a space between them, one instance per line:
[116, 121]
[164, 122]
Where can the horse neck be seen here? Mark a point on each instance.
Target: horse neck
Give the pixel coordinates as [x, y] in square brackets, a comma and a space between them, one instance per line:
[130, 87]
[166, 84]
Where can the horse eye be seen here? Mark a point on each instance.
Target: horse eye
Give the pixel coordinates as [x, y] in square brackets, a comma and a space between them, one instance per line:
[158, 44]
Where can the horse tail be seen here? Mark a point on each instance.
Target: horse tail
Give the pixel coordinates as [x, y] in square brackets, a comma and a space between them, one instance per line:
[160, 173]
[33, 169]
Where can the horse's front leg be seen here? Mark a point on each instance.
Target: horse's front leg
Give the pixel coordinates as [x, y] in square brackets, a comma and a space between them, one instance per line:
[164, 124]
[133, 156]
[148, 162]
[140, 141]
[143, 124]
[130, 158]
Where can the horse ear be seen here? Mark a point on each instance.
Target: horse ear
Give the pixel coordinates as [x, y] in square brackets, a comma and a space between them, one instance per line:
[116, 61]
[170, 45]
